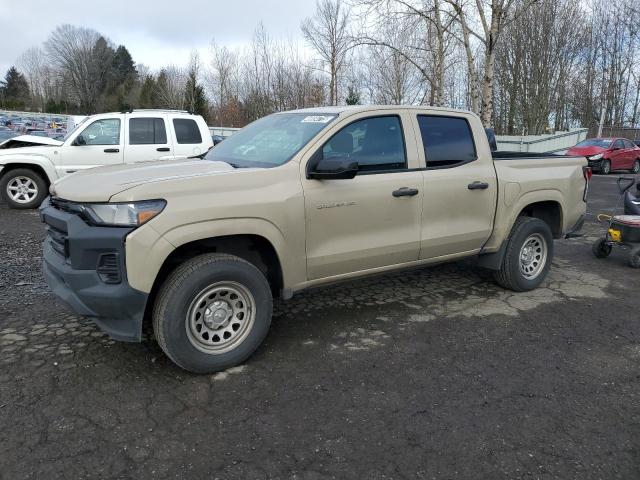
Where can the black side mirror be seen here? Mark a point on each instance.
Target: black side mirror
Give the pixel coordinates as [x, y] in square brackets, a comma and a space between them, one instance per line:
[79, 140]
[337, 168]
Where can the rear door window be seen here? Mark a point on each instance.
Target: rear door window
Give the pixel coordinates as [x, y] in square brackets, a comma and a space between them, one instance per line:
[187, 131]
[448, 141]
[147, 131]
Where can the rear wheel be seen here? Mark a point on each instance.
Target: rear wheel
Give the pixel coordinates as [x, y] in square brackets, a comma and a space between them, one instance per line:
[636, 167]
[606, 167]
[634, 259]
[23, 188]
[601, 249]
[212, 313]
[528, 256]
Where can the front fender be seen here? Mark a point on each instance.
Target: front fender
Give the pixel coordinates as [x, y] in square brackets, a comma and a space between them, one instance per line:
[146, 250]
[36, 159]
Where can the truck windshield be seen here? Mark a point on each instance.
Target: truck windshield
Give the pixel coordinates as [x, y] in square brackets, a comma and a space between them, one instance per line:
[270, 141]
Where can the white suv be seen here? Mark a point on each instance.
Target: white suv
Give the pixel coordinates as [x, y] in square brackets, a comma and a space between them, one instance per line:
[28, 164]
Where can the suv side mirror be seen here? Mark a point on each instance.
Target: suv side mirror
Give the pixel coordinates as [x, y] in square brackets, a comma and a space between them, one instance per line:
[79, 140]
[337, 168]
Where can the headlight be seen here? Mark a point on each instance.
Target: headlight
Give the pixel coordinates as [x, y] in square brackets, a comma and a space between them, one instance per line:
[596, 157]
[131, 214]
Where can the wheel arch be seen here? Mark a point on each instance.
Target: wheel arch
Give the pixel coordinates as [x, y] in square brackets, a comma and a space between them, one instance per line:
[549, 211]
[47, 172]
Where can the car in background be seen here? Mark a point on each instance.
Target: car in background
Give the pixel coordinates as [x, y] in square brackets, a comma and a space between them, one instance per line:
[36, 133]
[607, 154]
[6, 133]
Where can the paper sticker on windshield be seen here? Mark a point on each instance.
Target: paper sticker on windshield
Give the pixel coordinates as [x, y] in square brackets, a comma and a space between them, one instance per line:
[317, 119]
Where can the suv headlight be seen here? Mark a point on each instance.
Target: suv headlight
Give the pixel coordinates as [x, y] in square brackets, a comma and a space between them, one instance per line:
[596, 157]
[132, 214]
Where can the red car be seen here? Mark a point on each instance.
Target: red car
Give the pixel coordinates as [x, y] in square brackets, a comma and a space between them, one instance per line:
[607, 154]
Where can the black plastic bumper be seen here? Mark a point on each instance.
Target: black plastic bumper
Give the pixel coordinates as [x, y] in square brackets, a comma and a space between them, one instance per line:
[72, 251]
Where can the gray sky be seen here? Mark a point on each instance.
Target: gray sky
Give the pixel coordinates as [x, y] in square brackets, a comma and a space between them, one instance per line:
[155, 32]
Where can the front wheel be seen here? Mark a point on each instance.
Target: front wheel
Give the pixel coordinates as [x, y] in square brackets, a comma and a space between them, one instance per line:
[528, 255]
[601, 249]
[23, 188]
[212, 313]
[636, 167]
[606, 168]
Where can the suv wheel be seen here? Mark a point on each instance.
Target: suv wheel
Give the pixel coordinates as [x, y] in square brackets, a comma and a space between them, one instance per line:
[606, 167]
[528, 256]
[23, 188]
[212, 313]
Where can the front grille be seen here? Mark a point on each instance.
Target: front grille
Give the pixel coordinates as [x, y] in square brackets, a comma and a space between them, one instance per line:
[108, 268]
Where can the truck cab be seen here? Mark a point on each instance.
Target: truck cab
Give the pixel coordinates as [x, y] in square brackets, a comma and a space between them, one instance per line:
[29, 164]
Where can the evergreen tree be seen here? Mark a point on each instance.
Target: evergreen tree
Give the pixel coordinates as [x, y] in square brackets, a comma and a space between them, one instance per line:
[14, 89]
[148, 93]
[353, 96]
[124, 70]
[195, 99]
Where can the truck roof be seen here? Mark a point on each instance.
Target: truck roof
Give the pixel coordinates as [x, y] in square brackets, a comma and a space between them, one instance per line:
[337, 110]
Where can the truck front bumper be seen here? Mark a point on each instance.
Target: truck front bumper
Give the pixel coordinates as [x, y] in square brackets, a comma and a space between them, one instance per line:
[74, 268]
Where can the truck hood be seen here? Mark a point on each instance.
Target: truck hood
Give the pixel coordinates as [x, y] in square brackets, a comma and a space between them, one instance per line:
[585, 151]
[101, 183]
[25, 141]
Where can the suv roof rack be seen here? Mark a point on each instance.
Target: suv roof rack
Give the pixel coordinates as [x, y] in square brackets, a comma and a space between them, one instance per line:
[168, 110]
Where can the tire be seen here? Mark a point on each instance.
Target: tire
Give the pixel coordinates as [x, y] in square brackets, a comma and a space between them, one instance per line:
[636, 167]
[601, 249]
[634, 259]
[184, 319]
[23, 188]
[605, 169]
[536, 236]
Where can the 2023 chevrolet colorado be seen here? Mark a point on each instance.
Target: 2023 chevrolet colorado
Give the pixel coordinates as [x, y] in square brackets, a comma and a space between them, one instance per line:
[296, 200]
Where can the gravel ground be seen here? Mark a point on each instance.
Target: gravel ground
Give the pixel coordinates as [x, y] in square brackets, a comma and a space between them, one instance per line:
[435, 373]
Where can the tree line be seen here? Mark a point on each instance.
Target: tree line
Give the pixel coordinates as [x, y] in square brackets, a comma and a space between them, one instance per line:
[524, 66]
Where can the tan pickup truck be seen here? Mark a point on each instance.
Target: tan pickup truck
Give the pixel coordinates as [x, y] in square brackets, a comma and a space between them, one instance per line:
[295, 200]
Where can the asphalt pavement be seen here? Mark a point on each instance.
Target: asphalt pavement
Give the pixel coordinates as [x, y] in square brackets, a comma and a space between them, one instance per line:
[435, 373]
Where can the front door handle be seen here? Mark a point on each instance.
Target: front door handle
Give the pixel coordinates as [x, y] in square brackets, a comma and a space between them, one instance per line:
[478, 186]
[163, 149]
[405, 192]
[111, 150]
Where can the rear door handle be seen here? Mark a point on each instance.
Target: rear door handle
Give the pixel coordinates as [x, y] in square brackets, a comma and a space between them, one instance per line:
[478, 186]
[111, 150]
[405, 192]
[163, 149]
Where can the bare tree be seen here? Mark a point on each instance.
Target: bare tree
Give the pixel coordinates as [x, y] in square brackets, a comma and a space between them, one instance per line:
[327, 32]
[73, 51]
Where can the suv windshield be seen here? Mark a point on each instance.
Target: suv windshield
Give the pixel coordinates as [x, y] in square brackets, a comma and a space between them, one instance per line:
[595, 142]
[270, 141]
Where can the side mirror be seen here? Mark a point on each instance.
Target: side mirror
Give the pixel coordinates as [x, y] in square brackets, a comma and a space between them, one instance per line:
[334, 169]
[79, 141]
